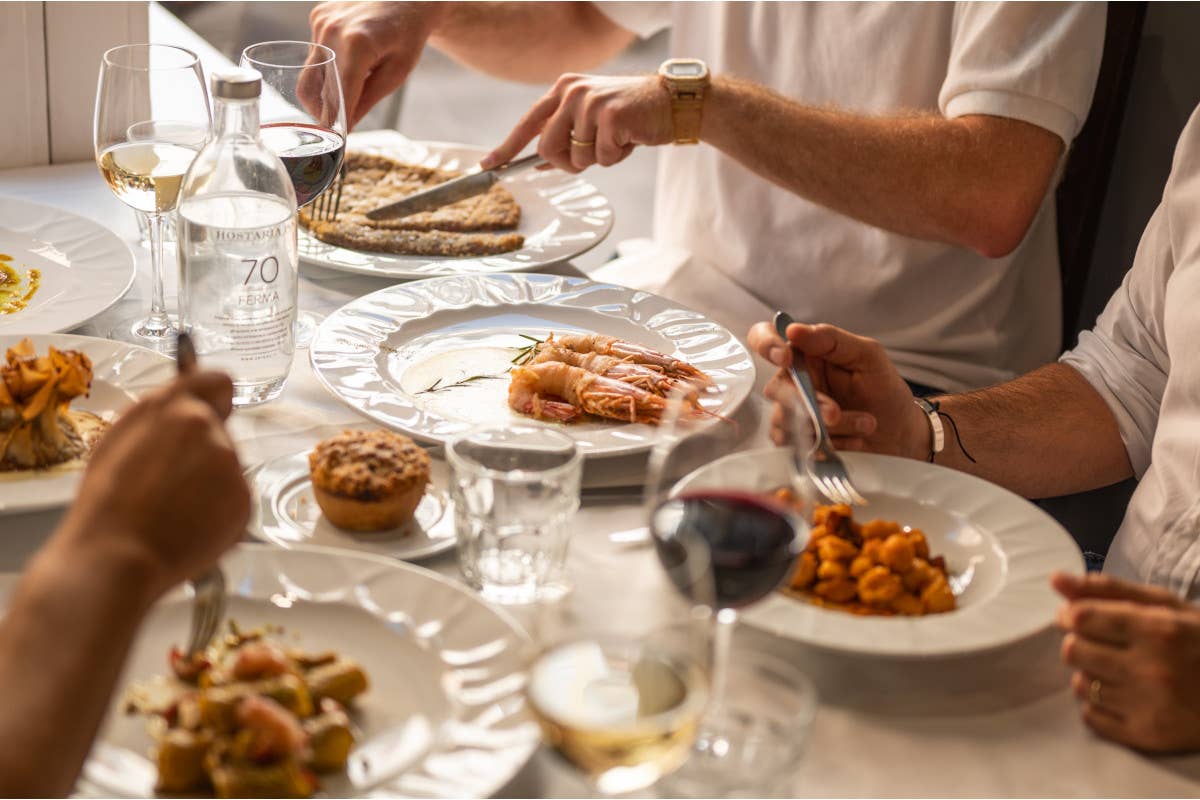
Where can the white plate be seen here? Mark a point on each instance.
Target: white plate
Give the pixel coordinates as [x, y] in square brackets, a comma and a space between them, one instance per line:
[120, 372]
[287, 514]
[444, 715]
[562, 216]
[85, 267]
[380, 353]
[1000, 547]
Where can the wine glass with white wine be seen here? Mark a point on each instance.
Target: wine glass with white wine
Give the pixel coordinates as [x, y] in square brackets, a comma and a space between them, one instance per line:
[152, 118]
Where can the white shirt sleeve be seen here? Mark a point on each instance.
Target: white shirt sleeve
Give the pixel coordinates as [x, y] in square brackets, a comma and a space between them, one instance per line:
[1124, 357]
[1036, 62]
[643, 18]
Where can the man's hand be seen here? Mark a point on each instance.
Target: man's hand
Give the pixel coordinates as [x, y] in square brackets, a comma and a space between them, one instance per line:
[164, 488]
[607, 117]
[377, 45]
[1143, 646]
[865, 403]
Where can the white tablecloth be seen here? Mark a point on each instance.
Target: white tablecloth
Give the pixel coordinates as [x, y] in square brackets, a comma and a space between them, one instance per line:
[993, 725]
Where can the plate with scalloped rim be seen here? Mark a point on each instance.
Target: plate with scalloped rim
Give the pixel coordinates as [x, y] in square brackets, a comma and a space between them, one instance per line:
[120, 373]
[1000, 551]
[444, 715]
[430, 358]
[84, 267]
[562, 216]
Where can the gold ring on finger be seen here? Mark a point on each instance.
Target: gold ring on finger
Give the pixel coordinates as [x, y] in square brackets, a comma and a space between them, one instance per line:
[581, 143]
[1094, 691]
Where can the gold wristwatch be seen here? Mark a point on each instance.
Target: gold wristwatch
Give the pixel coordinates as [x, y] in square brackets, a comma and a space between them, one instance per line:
[687, 81]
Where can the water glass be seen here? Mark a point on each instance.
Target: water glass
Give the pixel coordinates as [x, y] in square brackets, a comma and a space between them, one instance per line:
[515, 489]
[752, 744]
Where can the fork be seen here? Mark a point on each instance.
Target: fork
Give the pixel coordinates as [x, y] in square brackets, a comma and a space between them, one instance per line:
[208, 591]
[826, 468]
[329, 202]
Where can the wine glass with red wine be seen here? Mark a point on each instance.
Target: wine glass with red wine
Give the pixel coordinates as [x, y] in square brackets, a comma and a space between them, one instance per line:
[303, 122]
[729, 533]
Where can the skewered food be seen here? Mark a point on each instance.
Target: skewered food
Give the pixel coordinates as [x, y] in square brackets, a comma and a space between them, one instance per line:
[37, 427]
[876, 567]
[250, 717]
[369, 481]
[478, 226]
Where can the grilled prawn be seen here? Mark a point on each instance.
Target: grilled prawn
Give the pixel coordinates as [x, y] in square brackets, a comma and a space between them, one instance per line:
[629, 351]
[652, 379]
[557, 391]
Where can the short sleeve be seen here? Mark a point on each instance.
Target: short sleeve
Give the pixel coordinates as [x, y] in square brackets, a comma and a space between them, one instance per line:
[644, 19]
[1036, 62]
[1124, 357]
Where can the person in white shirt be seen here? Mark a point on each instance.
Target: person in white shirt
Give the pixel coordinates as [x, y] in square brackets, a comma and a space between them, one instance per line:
[883, 166]
[1124, 402]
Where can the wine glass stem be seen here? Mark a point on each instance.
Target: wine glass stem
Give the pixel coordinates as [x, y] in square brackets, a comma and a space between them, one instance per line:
[158, 322]
[726, 620]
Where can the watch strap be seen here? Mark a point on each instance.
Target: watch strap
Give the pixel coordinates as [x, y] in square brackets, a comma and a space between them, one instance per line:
[686, 116]
[937, 433]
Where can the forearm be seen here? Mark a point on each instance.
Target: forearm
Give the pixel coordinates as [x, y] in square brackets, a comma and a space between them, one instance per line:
[530, 42]
[972, 181]
[1044, 434]
[63, 641]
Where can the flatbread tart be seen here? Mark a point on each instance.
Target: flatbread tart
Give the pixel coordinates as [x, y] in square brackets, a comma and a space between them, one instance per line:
[478, 226]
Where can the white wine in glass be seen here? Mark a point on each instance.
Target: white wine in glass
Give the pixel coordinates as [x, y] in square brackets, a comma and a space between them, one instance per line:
[623, 711]
[152, 117]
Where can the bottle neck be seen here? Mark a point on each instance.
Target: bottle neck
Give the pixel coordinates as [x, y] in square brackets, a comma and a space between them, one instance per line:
[236, 117]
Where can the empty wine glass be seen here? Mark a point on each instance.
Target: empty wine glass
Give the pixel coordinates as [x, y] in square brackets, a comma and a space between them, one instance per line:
[152, 117]
[746, 519]
[303, 122]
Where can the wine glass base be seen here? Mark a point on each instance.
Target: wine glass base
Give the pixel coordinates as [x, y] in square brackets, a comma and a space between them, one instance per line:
[141, 331]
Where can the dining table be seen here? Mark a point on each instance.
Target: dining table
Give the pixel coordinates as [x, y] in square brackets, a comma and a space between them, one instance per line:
[996, 723]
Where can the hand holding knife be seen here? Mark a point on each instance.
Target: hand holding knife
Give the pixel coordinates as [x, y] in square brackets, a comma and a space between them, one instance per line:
[453, 190]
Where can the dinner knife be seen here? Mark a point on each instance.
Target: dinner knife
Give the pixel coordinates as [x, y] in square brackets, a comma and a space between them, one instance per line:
[452, 190]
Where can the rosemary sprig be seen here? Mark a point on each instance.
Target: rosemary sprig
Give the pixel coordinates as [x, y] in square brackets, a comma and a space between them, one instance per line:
[527, 352]
[437, 385]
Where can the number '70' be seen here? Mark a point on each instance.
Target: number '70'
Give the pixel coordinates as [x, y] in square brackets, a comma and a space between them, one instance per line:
[265, 266]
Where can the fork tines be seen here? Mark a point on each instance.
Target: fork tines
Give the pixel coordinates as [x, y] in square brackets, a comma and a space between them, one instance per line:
[329, 202]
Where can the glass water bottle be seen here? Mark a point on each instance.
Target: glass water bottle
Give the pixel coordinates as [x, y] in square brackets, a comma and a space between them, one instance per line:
[237, 248]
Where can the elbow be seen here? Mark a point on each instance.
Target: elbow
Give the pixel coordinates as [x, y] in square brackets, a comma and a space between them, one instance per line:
[997, 228]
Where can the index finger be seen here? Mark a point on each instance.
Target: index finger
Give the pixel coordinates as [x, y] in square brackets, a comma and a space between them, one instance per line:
[1108, 621]
[835, 346]
[1106, 587]
[521, 135]
[213, 388]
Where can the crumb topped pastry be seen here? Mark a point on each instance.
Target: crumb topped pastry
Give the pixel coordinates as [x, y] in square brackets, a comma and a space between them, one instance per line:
[368, 480]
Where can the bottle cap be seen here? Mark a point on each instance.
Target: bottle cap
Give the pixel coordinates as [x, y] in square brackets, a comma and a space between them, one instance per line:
[237, 83]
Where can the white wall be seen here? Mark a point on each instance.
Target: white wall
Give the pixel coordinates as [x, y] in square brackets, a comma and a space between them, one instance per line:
[50, 59]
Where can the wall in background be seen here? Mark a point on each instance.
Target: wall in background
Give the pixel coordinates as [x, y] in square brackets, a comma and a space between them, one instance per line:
[1165, 89]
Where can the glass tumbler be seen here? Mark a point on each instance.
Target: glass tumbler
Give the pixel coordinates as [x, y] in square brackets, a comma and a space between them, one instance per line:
[515, 489]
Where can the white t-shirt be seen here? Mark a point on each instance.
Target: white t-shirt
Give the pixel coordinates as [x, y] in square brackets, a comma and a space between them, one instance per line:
[950, 317]
[1141, 357]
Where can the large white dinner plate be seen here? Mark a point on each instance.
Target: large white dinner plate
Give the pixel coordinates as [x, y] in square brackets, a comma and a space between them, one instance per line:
[286, 513]
[85, 267]
[562, 216]
[381, 353]
[120, 373]
[444, 715]
[1000, 551]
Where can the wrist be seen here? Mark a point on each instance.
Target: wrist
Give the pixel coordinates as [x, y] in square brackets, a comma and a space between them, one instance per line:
[717, 101]
[918, 440]
[111, 558]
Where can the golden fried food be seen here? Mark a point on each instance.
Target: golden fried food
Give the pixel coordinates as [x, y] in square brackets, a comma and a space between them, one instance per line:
[877, 567]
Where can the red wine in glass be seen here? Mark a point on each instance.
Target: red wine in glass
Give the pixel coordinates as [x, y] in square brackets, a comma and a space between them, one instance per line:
[751, 543]
[311, 154]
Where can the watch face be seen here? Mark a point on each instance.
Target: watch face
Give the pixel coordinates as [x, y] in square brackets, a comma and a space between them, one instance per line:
[685, 68]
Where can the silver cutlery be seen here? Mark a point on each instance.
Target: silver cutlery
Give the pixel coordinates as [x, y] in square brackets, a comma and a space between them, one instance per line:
[453, 190]
[826, 467]
[208, 591]
[329, 202]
